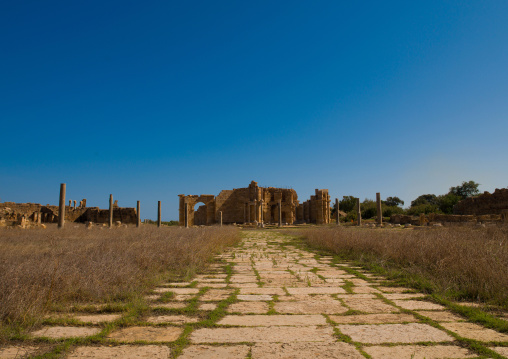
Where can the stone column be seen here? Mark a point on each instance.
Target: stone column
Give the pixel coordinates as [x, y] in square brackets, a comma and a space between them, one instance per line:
[186, 215]
[338, 214]
[70, 203]
[280, 213]
[138, 214]
[110, 210]
[159, 214]
[248, 212]
[379, 212]
[262, 212]
[74, 204]
[359, 214]
[220, 218]
[61, 208]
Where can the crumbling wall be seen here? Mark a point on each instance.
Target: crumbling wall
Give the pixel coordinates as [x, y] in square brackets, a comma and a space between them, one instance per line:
[12, 214]
[486, 203]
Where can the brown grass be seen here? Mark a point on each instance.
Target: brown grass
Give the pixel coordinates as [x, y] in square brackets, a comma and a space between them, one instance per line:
[463, 262]
[48, 267]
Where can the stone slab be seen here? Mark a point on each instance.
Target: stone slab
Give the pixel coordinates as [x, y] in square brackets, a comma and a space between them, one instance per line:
[501, 350]
[394, 333]
[254, 297]
[475, 331]
[263, 335]
[248, 307]
[382, 318]
[418, 304]
[149, 334]
[259, 290]
[59, 332]
[441, 316]
[215, 295]
[215, 352]
[272, 320]
[418, 352]
[121, 352]
[174, 319]
[369, 305]
[310, 307]
[316, 290]
[207, 306]
[305, 350]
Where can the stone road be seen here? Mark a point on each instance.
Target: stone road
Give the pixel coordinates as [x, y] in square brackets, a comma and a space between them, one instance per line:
[282, 302]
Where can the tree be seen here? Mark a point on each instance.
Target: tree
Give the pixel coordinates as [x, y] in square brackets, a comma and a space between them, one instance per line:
[347, 204]
[425, 199]
[394, 202]
[447, 201]
[467, 189]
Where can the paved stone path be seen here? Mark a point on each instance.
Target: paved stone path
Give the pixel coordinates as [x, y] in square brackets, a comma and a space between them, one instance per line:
[281, 302]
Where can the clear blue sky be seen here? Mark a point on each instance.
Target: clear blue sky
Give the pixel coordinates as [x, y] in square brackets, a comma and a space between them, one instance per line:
[147, 100]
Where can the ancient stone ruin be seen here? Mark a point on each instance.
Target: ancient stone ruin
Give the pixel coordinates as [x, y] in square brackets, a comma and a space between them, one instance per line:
[254, 205]
[33, 214]
[486, 203]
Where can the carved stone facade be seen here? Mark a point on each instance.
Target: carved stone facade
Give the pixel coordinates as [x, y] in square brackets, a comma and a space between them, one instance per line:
[255, 204]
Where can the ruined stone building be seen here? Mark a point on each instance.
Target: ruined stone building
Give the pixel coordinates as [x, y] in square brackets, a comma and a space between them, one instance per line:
[255, 204]
[486, 203]
[23, 213]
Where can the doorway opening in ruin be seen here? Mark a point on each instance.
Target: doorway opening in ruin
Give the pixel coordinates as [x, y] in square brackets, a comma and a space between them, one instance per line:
[199, 214]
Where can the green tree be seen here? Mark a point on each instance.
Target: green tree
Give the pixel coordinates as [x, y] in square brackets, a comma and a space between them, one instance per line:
[394, 201]
[447, 201]
[347, 204]
[467, 189]
[425, 199]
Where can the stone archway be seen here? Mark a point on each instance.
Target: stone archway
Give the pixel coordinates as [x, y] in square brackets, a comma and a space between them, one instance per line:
[191, 201]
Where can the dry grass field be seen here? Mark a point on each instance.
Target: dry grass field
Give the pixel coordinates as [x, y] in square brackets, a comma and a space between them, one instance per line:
[45, 268]
[463, 263]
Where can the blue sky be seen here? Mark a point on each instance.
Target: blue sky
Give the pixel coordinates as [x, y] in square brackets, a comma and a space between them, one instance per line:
[147, 100]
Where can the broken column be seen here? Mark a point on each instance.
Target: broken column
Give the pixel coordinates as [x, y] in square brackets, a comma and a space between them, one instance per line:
[74, 204]
[70, 203]
[337, 207]
[220, 218]
[159, 221]
[359, 214]
[379, 212]
[61, 209]
[138, 214]
[280, 213]
[110, 210]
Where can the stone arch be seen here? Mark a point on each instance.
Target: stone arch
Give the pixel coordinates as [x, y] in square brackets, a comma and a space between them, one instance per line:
[191, 201]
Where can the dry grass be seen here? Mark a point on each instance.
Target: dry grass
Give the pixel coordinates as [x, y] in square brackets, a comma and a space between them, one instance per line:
[465, 263]
[44, 268]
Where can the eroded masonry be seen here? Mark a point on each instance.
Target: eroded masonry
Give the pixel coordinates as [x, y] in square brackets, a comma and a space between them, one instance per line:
[254, 205]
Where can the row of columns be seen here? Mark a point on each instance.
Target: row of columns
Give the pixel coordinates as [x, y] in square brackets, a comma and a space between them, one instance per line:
[359, 213]
[61, 210]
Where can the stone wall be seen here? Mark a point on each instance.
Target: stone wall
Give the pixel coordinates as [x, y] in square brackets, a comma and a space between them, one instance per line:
[486, 203]
[446, 219]
[17, 213]
[253, 204]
